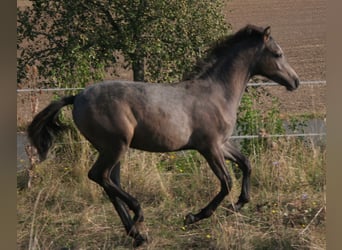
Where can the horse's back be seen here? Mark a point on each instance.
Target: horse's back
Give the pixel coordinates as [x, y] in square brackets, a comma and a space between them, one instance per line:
[150, 117]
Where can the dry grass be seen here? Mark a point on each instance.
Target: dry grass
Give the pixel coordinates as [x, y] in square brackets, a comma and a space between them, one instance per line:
[64, 210]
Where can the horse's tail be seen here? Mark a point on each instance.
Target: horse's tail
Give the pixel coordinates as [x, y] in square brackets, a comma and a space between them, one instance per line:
[46, 125]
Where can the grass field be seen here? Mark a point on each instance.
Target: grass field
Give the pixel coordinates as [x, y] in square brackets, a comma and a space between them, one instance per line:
[65, 210]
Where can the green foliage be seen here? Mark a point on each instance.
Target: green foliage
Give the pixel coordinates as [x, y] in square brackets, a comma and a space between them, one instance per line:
[253, 121]
[298, 124]
[255, 118]
[158, 40]
[181, 162]
[87, 67]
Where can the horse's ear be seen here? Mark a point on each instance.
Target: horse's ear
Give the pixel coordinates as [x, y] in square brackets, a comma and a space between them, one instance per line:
[267, 33]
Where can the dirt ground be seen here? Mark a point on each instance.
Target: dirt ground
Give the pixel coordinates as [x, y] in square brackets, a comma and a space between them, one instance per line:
[300, 29]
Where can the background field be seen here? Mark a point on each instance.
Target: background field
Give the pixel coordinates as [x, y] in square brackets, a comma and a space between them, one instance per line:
[298, 26]
[64, 210]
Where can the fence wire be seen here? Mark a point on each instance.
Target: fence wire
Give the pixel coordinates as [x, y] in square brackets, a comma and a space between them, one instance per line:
[234, 137]
[320, 82]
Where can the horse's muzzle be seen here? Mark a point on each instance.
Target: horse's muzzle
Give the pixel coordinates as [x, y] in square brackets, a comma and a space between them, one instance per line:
[294, 86]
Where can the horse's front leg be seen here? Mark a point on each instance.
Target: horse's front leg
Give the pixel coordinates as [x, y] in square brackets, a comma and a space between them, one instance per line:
[216, 162]
[231, 153]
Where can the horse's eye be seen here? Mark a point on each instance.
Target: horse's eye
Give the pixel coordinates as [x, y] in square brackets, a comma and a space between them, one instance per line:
[278, 54]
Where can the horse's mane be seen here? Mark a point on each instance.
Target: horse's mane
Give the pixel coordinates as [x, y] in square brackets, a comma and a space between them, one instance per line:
[219, 49]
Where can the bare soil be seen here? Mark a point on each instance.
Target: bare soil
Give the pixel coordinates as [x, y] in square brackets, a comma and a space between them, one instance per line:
[298, 26]
[300, 29]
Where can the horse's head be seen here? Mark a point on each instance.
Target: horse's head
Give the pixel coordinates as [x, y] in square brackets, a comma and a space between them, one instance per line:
[272, 63]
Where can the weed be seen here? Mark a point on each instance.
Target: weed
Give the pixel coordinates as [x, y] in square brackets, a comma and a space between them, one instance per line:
[65, 209]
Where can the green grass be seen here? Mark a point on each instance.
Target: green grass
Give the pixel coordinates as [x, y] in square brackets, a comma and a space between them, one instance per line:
[63, 209]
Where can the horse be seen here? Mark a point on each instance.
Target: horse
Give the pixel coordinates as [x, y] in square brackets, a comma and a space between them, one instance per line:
[196, 113]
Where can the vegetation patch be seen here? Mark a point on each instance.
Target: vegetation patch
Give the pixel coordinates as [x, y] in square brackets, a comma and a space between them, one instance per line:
[287, 209]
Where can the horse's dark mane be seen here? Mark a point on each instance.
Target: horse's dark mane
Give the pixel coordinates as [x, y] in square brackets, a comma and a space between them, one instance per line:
[219, 49]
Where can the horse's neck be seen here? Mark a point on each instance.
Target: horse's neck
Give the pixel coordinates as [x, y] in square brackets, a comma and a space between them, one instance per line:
[234, 85]
[233, 73]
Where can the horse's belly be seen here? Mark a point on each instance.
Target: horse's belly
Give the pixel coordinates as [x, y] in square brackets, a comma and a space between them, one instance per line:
[160, 141]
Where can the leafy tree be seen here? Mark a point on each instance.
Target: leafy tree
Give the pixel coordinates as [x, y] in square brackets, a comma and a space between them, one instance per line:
[157, 39]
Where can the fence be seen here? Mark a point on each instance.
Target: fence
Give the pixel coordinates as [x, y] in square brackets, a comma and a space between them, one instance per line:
[317, 135]
[248, 84]
[311, 134]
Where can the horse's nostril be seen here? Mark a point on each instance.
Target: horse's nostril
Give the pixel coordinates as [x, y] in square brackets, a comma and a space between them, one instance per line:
[297, 83]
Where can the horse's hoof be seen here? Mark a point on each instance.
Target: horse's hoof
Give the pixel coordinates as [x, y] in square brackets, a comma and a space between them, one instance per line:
[233, 208]
[189, 219]
[139, 241]
[138, 218]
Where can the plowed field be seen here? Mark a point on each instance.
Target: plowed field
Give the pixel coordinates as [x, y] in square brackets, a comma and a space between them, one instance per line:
[300, 29]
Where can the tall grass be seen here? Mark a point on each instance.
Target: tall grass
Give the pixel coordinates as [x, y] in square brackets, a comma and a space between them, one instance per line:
[62, 209]
[65, 210]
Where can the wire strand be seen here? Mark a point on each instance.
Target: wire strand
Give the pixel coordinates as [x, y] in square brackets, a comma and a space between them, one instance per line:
[319, 82]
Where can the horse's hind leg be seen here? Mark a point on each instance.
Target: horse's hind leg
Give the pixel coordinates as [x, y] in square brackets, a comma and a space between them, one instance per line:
[233, 154]
[106, 172]
[118, 204]
[126, 219]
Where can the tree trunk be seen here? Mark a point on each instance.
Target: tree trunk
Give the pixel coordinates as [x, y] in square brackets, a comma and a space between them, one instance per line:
[138, 70]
